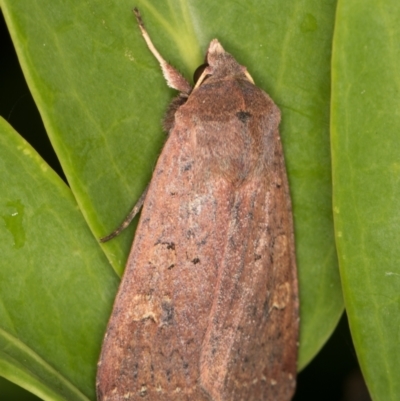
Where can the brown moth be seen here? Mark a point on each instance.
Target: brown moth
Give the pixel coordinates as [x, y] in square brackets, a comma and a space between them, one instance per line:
[208, 305]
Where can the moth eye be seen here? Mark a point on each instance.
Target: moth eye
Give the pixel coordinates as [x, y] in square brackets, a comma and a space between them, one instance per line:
[198, 72]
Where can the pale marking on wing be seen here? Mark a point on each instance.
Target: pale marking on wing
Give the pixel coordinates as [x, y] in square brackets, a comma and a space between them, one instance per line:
[281, 296]
[143, 308]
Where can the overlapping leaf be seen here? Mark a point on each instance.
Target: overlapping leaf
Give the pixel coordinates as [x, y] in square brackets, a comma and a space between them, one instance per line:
[366, 167]
[56, 285]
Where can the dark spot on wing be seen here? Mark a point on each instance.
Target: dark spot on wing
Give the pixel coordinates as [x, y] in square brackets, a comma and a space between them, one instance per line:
[167, 315]
[243, 116]
[135, 370]
[187, 166]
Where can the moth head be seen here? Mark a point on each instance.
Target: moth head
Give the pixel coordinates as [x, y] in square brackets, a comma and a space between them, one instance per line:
[219, 64]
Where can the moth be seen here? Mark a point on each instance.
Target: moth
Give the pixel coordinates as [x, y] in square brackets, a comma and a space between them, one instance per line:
[207, 309]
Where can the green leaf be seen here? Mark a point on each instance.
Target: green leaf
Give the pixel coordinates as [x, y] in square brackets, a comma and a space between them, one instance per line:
[366, 179]
[56, 286]
[102, 96]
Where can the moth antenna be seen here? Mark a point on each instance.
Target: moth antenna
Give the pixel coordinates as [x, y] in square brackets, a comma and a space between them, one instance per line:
[173, 77]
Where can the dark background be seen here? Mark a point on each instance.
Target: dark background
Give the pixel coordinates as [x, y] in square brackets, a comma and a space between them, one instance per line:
[333, 375]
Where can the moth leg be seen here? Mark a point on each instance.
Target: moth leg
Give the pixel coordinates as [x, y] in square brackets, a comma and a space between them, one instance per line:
[173, 77]
[128, 218]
